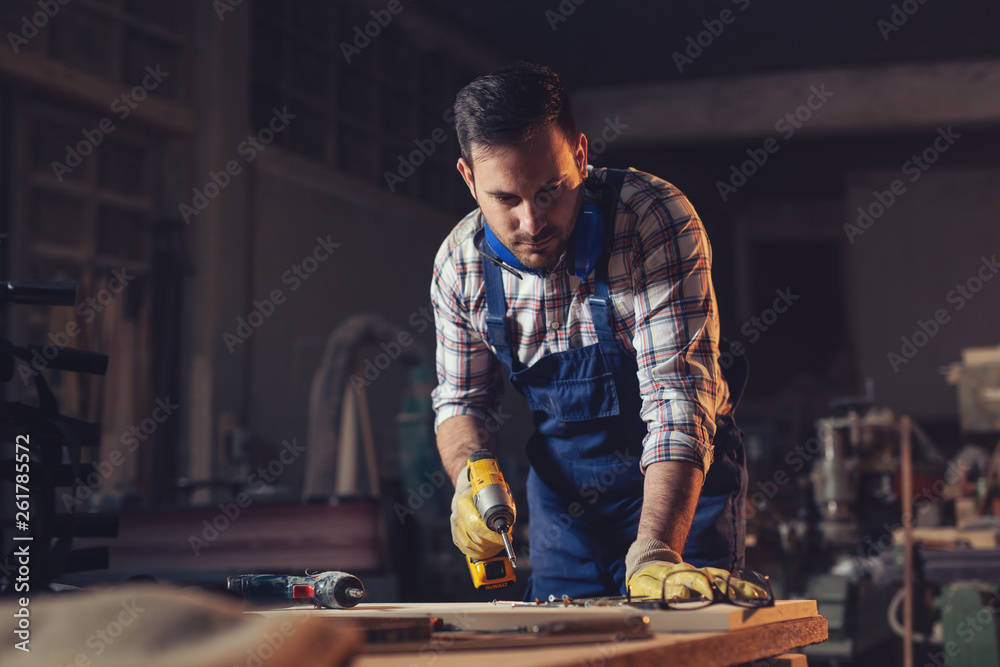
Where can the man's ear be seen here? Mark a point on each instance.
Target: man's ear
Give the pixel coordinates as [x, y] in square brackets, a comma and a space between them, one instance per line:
[581, 154]
[466, 171]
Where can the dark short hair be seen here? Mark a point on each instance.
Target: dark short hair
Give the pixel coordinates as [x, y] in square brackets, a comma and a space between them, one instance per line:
[511, 105]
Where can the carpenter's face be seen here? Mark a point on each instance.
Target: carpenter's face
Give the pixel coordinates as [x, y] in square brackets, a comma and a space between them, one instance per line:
[530, 193]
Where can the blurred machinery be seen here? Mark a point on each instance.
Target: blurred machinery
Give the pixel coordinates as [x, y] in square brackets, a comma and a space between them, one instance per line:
[856, 498]
[855, 479]
[42, 454]
[839, 524]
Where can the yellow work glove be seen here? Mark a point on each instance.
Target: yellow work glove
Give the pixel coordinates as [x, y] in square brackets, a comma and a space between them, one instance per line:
[468, 530]
[648, 563]
[742, 589]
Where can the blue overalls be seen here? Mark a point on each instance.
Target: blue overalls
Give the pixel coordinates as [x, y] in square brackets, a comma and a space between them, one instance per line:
[585, 486]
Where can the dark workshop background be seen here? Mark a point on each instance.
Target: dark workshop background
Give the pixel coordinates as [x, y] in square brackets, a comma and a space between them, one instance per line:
[363, 157]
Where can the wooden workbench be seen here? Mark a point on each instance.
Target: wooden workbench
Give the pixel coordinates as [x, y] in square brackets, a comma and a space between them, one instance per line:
[720, 635]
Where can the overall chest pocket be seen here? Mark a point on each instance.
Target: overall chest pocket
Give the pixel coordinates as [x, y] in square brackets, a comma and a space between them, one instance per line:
[571, 388]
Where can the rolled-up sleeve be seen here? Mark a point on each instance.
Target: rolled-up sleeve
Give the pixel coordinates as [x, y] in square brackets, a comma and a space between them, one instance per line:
[469, 381]
[676, 333]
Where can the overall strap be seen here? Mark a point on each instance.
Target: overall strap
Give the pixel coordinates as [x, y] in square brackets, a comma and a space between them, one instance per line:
[600, 302]
[496, 315]
[600, 306]
[614, 178]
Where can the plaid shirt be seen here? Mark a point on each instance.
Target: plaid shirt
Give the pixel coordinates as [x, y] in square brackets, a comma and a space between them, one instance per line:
[664, 310]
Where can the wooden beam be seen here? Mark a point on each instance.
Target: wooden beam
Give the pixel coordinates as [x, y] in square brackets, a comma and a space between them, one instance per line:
[858, 101]
[492, 617]
[681, 649]
[60, 81]
[375, 199]
[263, 537]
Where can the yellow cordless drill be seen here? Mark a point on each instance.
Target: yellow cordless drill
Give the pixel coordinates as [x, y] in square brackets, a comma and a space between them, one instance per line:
[494, 503]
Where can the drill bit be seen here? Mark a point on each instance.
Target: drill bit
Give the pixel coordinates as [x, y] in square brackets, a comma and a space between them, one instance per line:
[503, 530]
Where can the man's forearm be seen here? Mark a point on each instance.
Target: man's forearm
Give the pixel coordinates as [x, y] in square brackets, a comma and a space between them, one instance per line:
[457, 438]
[670, 494]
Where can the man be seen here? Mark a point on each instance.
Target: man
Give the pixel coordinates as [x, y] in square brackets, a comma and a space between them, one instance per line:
[606, 321]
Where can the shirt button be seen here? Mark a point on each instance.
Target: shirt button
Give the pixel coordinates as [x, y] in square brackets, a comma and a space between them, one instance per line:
[554, 326]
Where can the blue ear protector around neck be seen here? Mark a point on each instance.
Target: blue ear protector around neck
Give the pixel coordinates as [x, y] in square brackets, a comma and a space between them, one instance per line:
[583, 251]
[501, 252]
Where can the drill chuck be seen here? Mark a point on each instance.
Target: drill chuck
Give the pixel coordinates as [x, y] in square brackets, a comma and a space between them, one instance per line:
[338, 590]
[494, 504]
